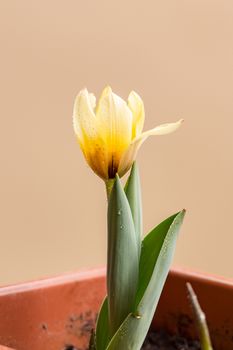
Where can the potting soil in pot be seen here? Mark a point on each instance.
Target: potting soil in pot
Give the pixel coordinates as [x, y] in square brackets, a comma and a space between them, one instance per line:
[160, 340]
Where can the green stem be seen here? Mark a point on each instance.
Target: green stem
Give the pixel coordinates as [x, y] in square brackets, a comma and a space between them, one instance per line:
[200, 320]
[109, 185]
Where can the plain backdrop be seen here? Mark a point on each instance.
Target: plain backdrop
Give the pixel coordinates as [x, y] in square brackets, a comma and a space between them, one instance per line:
[178, 55]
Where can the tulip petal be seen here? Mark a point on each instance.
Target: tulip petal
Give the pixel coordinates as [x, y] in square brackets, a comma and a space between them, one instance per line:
[92, 100]
[83, 114]
[162, 129]
[114, 120]
[131, 153]
[136, 105]
[85, 126]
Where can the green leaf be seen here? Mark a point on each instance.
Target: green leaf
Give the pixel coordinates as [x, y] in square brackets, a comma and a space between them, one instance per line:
[151, 247]
[123, 262]
[132, 332]
[133, 193]
[102, 329]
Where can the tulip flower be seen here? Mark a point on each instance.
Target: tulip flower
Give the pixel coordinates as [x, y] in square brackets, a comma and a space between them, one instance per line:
[110, 133]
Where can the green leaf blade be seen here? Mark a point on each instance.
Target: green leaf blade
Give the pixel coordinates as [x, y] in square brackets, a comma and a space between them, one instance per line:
[154, 289]
[151, 246]
[102, 327]
[123, 261]
[133, 193]
[132, 332]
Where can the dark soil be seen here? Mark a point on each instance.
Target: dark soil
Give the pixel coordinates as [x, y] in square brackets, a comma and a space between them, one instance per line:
[82, 325]
[161, 340]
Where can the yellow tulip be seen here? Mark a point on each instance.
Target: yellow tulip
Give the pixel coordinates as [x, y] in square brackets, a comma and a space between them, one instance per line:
[110, 133]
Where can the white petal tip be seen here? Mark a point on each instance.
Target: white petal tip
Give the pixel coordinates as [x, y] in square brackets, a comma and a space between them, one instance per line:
[107, 90]
[83, 91]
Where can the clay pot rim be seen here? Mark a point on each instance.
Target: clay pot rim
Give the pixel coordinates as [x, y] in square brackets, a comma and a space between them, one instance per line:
[46, 282]
[203, 276]
[81, 275]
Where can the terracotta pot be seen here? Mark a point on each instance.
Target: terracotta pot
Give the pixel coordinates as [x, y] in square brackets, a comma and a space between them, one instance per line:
[56, 313]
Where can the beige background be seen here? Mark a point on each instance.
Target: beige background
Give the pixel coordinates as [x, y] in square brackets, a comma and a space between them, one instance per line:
[178, 55]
